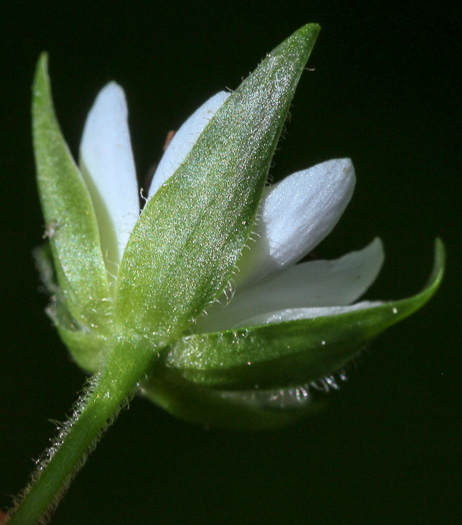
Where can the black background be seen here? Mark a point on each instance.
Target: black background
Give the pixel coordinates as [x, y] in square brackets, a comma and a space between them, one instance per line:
[385, 93]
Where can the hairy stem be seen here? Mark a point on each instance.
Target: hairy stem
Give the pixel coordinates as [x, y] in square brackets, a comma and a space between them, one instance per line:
[95, 410]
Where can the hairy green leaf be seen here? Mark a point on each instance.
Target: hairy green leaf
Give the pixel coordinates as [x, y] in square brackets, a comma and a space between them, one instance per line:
[291, 353]
[71, 225]
[184, 247]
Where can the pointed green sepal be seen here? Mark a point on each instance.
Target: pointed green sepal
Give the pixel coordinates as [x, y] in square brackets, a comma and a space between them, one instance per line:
[184, 247]
[246, 410]
[87, 347]
[71, 225]
[281, 355]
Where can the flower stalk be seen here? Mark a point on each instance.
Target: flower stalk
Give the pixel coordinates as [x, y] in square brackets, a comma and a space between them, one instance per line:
[96, 409]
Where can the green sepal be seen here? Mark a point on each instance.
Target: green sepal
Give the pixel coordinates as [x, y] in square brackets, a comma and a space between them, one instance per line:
[183, 249]
[247, 411]
[291, 353]
[70, 219]
[87, 347]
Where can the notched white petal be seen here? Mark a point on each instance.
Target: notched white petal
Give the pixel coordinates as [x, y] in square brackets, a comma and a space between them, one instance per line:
[107, 164]
[296, 314]
[184, 140]
[321, 283]
[296, 215]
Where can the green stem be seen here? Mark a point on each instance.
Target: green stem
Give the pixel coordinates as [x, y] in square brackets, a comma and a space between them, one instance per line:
[94, 412]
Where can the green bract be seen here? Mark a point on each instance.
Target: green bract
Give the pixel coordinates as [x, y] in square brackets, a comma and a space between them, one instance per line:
[126, 284]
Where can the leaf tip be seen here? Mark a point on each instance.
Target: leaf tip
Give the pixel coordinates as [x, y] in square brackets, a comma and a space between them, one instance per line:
[43, 59]
[41, 79]
[307, 35]
[42, 66]
[439, 264]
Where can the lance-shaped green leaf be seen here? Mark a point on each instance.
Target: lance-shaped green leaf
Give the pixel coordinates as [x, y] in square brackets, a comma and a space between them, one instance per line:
[292, 353]
[71, 223]
[184, 247]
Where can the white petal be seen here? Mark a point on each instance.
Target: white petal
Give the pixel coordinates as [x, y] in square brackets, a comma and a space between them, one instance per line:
[312, 284]
[106, 160]
[295, 215]
[295, 314]
[184, 139]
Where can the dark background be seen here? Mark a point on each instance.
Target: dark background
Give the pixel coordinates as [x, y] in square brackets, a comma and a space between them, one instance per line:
[385, 93]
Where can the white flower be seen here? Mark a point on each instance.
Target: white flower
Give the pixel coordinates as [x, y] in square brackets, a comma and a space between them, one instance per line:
[295, 215]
